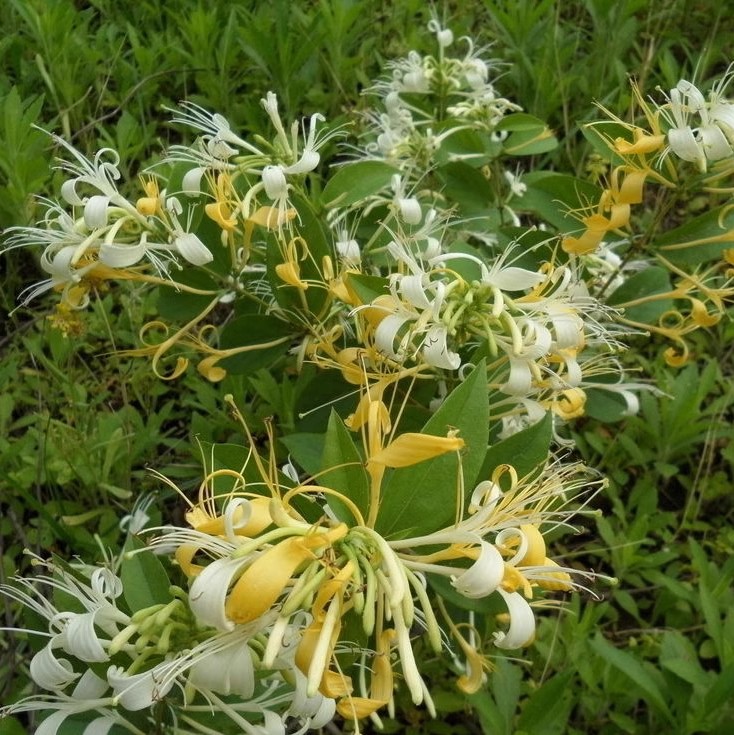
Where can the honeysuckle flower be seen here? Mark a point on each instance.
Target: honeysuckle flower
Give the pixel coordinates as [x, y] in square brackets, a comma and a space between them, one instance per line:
[707, 141]
[137, 691]
[99, 175]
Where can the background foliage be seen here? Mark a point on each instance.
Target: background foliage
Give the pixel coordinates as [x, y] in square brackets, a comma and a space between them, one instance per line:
[79, 428]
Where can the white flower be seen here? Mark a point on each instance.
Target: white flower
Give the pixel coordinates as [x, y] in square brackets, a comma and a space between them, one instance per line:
[225, 667]
[522, 622]
[50, 672]
[137, 691]
[443, 35]
[216, 127]
[484, 576]
[209, 591]
[435, 350]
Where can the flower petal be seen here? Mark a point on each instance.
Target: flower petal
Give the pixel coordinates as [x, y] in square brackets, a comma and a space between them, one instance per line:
[209, 591]
[80, 638]
[193, 249]
[484, 576]
[522, 622]
[436, 352]
[138, 691]
[121, 256]
[411, 448]
[226, 671]
[50, 672]
[95, 211]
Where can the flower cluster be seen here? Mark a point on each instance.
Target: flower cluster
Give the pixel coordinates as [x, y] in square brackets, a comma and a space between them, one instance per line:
[299, 613]
[429, 280]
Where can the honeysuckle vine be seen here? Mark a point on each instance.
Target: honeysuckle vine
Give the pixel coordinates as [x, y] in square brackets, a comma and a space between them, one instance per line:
[434, 300]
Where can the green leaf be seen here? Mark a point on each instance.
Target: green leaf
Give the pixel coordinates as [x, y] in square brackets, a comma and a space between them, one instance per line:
[547, 710]
[307, 450]
[653, 280]
[348, 475]
[179, 306]
[467, 187]
[717, 224]
[368, 288]
[478, 149]
[554, 196]
[356, 181]
[605, 406]
[422, 498]
[528, 135]
[631, 667]
[525, 451]
[721, 691]
[144, 579]
[253, 330]
[11, 726]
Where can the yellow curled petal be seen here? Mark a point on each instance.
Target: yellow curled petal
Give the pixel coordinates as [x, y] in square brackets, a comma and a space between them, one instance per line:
[271, 217]
[675, 358]
[219, 212]
[570, 403]
[336, 684]
[559, 581]
[587, 243]
[535, 555]
[619, 216]
[643, 143]
[357, 708]
[329, 589]
[409, 449]
[259, 520]
[631, 190]
[701, 316]
[290, 273]
[184, 554]
[262, 583]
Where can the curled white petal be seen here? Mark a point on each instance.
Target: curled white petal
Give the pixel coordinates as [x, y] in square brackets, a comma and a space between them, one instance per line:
[436, 351]
[51, 725]
[193, 249]
[95, 211]
[520, 379]
[413, 290]
[227, 671]
[410, 210]
[90, 686]
[50, 672]
[513, 278]
[387, 331]
[121, 256]
[274, 182]
[714, 142]
[100, 725]
[138, 691]
[80, 638]
[485, 494]
[483, 577]
[683, 143]
[68, 192]
[349, 251]
[209, 591]
[191, 183]
[522, 622]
